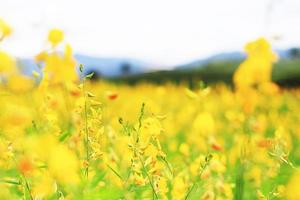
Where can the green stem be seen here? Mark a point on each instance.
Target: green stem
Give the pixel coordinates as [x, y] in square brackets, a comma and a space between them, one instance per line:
[140, 122]
[115, 172]
[86, 131]
[86, 140]
[149, 178]
[27, 187]
[207, 160]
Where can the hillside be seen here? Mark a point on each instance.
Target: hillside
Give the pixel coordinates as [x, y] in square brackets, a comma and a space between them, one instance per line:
[286, 72]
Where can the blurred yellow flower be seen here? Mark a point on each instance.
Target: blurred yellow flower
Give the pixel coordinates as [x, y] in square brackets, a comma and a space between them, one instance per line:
[292, 189]
[62, 162]
[7, 64]
[58, 68]
[179, 188]
[64, 165]
[41, 57]
[55, 37]
[162, 187]
[204, 123]
[20, 84]
[55, 142]
[184, 149]
[5, 29]
[257, 68]
[45, 187]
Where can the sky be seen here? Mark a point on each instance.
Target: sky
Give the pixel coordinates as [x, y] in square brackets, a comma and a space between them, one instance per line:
[163, 32]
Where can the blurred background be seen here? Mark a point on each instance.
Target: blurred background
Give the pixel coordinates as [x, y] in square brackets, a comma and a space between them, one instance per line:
[158, 40]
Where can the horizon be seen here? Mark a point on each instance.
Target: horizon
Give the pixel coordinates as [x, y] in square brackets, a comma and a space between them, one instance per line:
[167, 34]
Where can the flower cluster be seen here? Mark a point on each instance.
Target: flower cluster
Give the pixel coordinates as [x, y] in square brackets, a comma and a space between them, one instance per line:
[63, 136]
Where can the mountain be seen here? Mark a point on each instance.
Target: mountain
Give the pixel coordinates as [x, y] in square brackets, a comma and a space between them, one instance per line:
[110, 67]
[113, 67]
[228, 56]
[235, 55]
[107, 67]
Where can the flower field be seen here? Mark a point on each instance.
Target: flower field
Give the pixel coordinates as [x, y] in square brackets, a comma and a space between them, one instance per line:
[64, 136]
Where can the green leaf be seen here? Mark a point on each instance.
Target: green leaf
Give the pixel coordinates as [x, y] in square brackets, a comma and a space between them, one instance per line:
[64, 135]
[89, 94]
[13, 182]
[239, 182]
[90, 75]
[99, 176]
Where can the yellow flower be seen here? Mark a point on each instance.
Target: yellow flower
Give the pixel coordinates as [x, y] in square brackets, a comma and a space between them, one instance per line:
[5, 29]
[55, 36]
[259, 61]
[45, 186]
[41, 145]
[292, 188]
[179, 188]
[7, 64]
[41, 57]
[69, 63]
[58, 68]
[184, 149]
[64, 165]
[16, 116]
[256, 175]
[20, 84]
[68, 51]
[162, 187]
[204, 123]
[139, 180]
[151, 128]
[208, 195]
